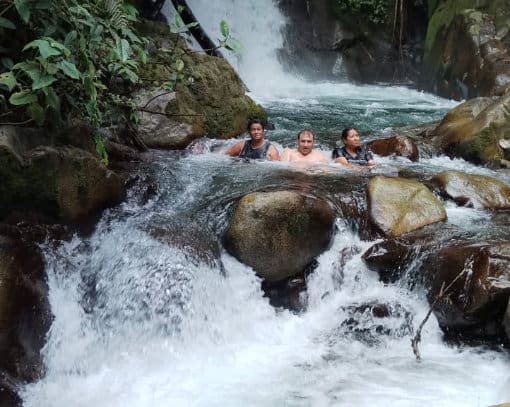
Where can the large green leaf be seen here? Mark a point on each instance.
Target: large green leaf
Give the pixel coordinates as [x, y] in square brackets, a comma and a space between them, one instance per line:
[23, 98]
[224, 28]
[22, 6]
[233, 45]
[43, 81]
[31, 68]
[4, 23]
[69, 69]
[9, 80]
[70, 38]
[123, 49]
[45, 48]
[90, 87]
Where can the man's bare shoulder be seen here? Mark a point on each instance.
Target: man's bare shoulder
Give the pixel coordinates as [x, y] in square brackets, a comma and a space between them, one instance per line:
[288, 154]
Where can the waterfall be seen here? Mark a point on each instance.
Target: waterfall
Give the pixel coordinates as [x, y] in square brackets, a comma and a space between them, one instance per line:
[143, 319]
[257, 25]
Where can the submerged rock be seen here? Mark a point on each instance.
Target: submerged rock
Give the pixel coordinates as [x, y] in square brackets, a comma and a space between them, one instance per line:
[475, 304]
[398, 205]
[477, 191]
[368, 322]
[388, 259]
[279, 233]
[400, 146]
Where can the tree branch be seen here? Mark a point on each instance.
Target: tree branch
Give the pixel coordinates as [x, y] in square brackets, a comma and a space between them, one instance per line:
[442, 292]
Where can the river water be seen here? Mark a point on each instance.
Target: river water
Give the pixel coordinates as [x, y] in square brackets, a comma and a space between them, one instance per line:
[151, 312]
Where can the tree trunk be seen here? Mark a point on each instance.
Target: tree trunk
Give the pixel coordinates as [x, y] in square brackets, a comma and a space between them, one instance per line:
[198, 33]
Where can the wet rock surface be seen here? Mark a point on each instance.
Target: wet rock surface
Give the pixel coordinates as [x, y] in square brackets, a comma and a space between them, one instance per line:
[475, 304]
[399, 205]
[279, 233]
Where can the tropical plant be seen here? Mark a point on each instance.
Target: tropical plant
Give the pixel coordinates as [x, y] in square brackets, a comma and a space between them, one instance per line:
[377, 11]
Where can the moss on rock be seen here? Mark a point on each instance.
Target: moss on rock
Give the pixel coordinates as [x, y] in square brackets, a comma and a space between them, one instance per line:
[210, 96]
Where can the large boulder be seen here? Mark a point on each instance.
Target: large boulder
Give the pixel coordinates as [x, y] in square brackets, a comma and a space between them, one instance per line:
[208, 98]
[65, 182]
[279, 233]
[156, 129]
[400, 146]
[466, 49]
[24, 308]
[478, 191]
[474, 130]
[475, 304]
[399, 205]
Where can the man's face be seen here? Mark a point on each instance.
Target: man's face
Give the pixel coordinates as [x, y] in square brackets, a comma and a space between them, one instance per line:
[305, 143]
[256, 131]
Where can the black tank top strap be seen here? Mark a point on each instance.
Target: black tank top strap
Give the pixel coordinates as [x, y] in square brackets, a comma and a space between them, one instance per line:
[257, 153]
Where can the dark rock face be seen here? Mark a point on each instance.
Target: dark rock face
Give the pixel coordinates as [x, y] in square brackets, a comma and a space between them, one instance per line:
[388, 259]
[8, 393]
[151, 9]
[475, 304]
[400, 146]
[24, 309]
[321, 42]
[466, 50]
[279, 233]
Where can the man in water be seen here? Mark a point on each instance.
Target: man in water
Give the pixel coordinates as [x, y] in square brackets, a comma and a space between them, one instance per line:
[352, 154]
[256, 147]
[304, 152]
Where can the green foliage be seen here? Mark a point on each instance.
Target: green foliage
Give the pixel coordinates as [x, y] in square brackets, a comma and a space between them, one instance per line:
[81, 59]
[377, 11]
[81, 56]
[101, 149]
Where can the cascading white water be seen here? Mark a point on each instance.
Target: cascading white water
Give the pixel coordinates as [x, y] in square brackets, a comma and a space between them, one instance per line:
[257, 25]
[141, 321]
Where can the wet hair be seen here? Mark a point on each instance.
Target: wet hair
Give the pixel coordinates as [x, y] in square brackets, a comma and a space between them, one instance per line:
[345, 132]
[305, 131]
[255, 121]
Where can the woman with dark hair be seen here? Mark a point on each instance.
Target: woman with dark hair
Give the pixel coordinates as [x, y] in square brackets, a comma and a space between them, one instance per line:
[256, 147]
[352, 154]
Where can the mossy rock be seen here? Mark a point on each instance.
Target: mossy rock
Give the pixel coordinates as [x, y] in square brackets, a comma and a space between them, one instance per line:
[279, 233]
[61, 182]
[210, 96]
[473, 130]
[465, 53]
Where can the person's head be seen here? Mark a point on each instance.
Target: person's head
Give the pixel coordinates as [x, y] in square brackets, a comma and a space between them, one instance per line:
[256, 128]
[350, 137]
[305, 142]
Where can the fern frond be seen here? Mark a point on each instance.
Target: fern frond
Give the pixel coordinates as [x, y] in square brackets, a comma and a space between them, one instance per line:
[113, 11]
